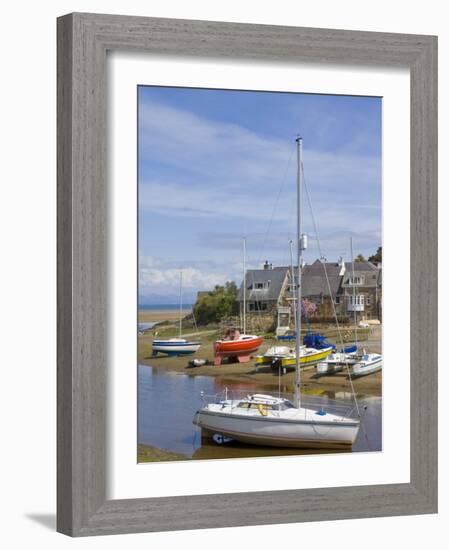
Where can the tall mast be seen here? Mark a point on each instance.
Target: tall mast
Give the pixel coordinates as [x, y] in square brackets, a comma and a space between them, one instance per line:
[292, 279]
[244, 285]
[180, 303]
[353, 296]
[299, 249]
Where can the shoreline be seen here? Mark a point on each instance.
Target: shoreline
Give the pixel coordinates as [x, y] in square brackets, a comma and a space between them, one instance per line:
[245, 373]
[267, 380]
[264, 378]
[150, 453]
[161, 315]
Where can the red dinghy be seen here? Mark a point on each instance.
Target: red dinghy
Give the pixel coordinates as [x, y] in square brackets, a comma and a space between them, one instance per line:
[241, 346]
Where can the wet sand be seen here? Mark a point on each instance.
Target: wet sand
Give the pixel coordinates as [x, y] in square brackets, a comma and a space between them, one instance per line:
[263, 380]
[264, 376]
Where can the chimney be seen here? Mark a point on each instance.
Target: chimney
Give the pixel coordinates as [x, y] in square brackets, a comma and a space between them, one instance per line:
[267, 265]
[341, 263]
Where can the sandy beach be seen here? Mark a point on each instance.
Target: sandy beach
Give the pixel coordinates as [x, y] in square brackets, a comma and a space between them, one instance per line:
[264, 377]
[160, 315]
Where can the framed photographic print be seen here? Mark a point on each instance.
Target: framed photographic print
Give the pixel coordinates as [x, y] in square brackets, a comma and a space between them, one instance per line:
[247, 274]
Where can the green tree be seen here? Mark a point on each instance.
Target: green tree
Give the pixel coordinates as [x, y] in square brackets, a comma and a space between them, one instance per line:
[360, 258]
[217, 304]
[377, 257]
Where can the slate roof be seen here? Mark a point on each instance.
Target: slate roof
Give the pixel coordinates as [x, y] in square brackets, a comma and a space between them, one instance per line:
[314, 281]
[371, 273]
[361, 266]
[275, 277]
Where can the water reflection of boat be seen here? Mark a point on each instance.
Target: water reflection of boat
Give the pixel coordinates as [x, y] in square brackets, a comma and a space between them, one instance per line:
[176, 346]
[369, 363]
[274, 421]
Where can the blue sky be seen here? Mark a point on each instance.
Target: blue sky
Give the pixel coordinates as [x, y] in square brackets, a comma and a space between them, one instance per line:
[217, 165]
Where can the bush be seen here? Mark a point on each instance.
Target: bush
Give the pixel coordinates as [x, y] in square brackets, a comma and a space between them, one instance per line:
[217, 304]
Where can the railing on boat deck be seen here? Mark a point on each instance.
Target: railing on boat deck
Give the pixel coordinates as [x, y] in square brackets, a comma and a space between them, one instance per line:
[231, 398]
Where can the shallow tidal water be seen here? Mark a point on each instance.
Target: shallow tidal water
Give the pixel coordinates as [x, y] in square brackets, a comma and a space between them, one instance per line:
[167, 402]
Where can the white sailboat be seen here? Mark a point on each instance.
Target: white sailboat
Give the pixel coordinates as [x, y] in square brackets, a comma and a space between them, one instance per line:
[336, 362]
[368, 363]
[284, 357]
[268, 420]
[176, 346]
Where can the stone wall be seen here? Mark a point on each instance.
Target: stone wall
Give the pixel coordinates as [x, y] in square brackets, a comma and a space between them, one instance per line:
[255, 322]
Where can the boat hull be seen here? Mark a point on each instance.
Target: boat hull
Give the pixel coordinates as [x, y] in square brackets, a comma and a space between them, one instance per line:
[278, 433]
[334, 363]
[174, 349]
[363, 369]
[290, 361]
[241, 349]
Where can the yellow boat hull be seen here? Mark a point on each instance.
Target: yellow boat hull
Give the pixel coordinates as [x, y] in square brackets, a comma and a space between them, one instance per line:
[290, 361]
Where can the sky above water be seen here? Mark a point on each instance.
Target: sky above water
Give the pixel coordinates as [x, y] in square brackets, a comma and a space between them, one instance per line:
[217, 165]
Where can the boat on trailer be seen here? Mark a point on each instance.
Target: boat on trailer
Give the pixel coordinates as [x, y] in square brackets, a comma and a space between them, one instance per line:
[241, 349]
[284, 357]
[316, 348]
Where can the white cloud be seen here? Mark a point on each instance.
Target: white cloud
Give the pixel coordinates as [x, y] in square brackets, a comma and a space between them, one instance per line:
[194, 167]
[157, 278]
[207, 168]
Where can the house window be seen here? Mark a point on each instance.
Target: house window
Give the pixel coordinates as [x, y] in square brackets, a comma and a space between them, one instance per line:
[292, 287]
[261, 286]
[337, 300]
[356, 280]
[357, 300]
[368, 300]
[258, 306]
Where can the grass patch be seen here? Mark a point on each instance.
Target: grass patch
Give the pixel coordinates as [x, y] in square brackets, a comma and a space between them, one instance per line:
[148, 453]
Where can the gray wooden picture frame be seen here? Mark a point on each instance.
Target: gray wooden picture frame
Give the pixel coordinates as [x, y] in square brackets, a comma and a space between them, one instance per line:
[83, 41]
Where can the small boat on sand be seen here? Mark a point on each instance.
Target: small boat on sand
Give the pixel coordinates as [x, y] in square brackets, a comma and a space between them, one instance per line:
[285, 357]
[234, 345]
[369, 363]
[176, 346]
[240, 347]
[335, 362]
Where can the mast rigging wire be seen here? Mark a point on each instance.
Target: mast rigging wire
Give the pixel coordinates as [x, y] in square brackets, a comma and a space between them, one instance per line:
[320, 251]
